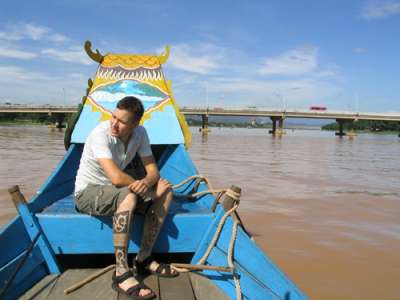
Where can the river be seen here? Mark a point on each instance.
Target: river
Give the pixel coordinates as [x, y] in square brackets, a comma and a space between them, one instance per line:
[326, 210]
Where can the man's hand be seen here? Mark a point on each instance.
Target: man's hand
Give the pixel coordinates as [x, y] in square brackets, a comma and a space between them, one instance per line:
[139, 187]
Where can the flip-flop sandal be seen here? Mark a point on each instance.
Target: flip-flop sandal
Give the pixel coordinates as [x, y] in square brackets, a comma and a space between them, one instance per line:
[132, 292]
[143, 268]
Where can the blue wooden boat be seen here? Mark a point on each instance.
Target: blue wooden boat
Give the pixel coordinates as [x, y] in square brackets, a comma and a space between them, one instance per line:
[48, 229]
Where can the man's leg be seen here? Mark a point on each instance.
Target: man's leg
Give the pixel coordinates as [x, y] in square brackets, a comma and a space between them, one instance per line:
[153, 221]
[122, 221]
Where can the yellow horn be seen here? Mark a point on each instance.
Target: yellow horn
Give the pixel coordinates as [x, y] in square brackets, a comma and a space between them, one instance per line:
[95, 56]
[164, 56]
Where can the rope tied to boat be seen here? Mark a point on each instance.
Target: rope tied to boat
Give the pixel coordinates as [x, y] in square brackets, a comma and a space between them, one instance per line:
[218, 193]
[231, 207]
[234, 195]
[190, 178]
[230, 248]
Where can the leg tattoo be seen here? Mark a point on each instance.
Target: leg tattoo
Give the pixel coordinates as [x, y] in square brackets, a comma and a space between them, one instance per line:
[152, 226]
[121, 222]
[121, 260]
[121, 228]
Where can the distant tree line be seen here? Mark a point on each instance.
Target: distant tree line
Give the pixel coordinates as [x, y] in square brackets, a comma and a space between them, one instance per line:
[365, 125]
[193, 122]
[39, 118]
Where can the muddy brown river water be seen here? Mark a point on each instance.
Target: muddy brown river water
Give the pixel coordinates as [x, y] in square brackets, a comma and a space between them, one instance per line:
[326, 210]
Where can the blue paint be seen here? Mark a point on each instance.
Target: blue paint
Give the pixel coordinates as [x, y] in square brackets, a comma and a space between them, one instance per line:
[32, 227]
[162, 126]
[31, 272]
[76, 233]
[15, 239]
[260, 278]
[86, 122]
[61, 182]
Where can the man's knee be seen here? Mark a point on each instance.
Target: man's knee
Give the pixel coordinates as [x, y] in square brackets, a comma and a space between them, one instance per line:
[129, 201]
[167, 191]
[168, 195]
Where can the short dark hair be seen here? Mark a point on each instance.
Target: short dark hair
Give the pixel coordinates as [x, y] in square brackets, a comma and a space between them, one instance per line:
[133, 105]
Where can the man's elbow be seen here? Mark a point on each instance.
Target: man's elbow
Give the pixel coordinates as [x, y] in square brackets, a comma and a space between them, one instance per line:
[116, 179]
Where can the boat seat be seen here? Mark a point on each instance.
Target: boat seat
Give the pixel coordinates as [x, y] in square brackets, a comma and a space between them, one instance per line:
[67, 206]
[71, 232]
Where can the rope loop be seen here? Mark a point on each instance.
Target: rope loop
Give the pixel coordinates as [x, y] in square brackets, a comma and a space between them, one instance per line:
[218, 195]
[235, 196]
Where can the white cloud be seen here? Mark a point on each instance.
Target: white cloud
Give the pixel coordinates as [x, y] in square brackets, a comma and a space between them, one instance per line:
[297, 93]
[74, 54]
[12, 52]
[202, 59]
[58, 38]
[22, 85]
[35, 32]
[237, 82]
[21, 31]
[16, 74]
[380, 10]
[301, 60]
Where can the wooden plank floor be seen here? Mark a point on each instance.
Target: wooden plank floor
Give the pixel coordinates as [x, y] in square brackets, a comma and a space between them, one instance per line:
[52, 287]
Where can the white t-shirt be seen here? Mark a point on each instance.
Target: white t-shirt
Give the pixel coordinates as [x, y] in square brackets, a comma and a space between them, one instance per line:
[101, 144]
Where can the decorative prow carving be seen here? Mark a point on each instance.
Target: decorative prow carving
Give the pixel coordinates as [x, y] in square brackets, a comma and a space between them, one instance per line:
[96, 56]
[164, 56]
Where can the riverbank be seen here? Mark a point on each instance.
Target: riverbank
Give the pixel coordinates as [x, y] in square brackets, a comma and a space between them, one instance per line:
[365, 126]
[22, 122]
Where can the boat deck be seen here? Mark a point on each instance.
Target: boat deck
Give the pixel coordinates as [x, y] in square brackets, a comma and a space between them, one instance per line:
[186, 286]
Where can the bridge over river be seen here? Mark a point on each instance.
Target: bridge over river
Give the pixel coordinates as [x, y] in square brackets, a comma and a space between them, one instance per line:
[277, 115]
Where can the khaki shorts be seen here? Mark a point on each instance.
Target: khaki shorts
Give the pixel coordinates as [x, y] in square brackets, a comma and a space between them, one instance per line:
[103, 200]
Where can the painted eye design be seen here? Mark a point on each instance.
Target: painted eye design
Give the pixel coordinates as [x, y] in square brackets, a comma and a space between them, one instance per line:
[107, 96]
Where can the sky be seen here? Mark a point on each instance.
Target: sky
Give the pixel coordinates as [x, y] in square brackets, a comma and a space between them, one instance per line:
[344, 55]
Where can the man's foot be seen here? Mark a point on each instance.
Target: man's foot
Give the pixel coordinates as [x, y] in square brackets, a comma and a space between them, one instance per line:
[127, 284]
[151, 266]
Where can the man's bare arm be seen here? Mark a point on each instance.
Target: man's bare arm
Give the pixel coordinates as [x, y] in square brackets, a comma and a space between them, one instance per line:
[114, 173]
[150, 165]
[120, 178]
[142, 186]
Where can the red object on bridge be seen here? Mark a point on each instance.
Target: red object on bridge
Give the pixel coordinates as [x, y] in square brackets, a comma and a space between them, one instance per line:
[314, 107]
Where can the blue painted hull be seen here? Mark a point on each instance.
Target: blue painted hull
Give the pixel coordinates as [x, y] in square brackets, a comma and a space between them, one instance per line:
[188, 228]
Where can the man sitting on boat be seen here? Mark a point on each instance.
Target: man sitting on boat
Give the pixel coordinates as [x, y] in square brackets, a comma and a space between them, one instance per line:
[103, 188]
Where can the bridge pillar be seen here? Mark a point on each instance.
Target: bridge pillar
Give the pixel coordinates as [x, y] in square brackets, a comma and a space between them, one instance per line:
[56, 121]
[204, 124]
[60, 121]
[277, 130]
[280, 130]
[341, 122]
